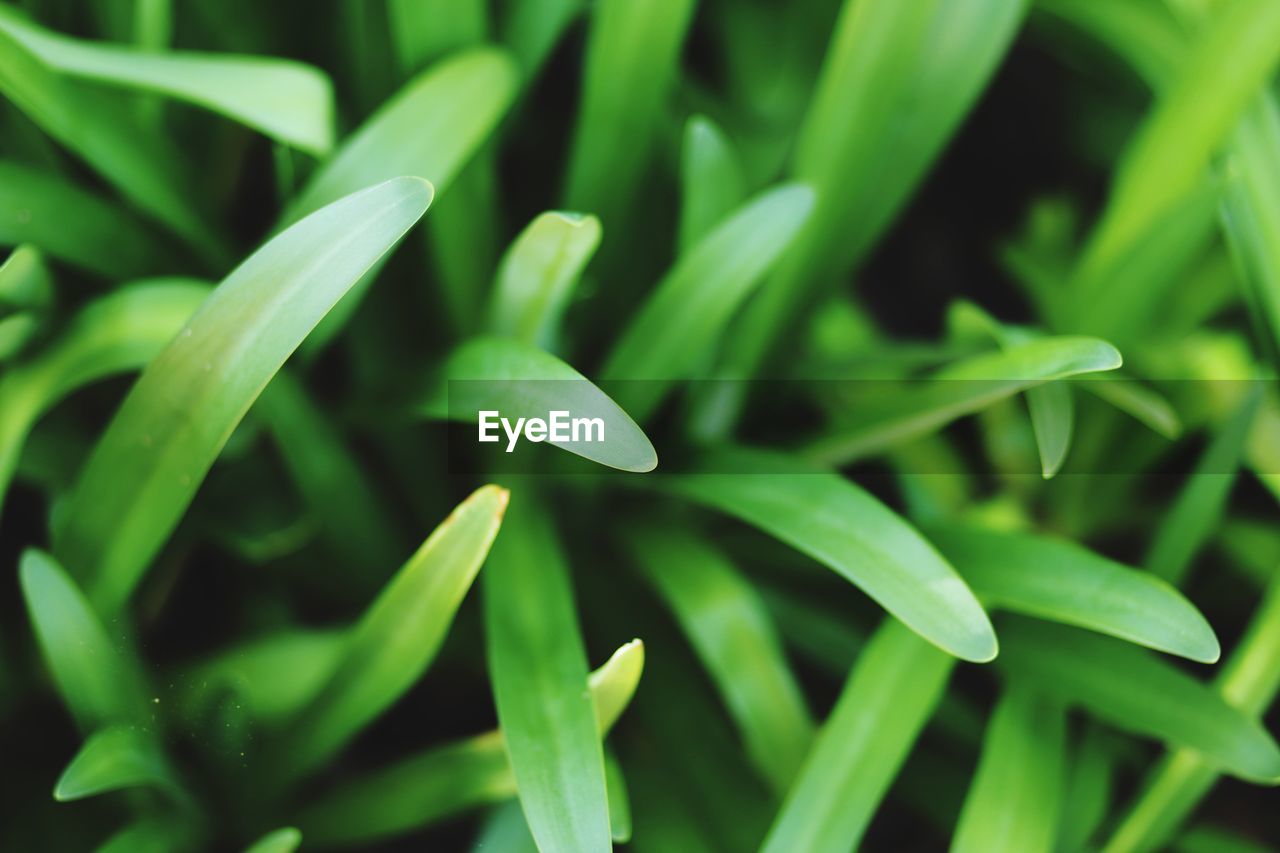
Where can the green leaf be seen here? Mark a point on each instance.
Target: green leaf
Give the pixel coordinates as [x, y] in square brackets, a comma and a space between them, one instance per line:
[1223, 71]
[538, 274]
[1061, 581]
[682, 320]
[146, 468]
[114, 334]
[422, 30]
[1136, 400]
[1116, 682]
[619, 802]
[538, 668]
[98, 682]
[711, 180]
[26, 296]
[531, 29]
[288, 101]
[882, 709]
[148, 835]
[446, 780]
[838, 524]
[897, 81]
[521, 381]
[112, 759]
[729, 628]
[100, 127]
[1201, 504]
[72, 225]
[1249, 680]
[1015, 801]
[961, 389]
[284, 840]
[428, 129]
[633, 48]
[398, 637]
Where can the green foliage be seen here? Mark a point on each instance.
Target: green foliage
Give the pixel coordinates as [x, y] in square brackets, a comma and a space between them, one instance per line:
[936, 344]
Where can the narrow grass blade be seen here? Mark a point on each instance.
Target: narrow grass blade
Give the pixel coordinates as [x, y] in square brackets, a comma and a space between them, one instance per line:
[838, 524]
[1116, 682]
[633, 47]
[142, 166]
[113, 759]
[1199, 507]
[897, 80]
[711, 180]
[1137, 400]
[1059, 580]
[351, 514]
[682, 321]
[538, 668]
[285, 840]
[399, 635]
[1224, 70]
[423, 30]
[1249, 680]
[1015, 801]
[147, 467]
[537, 276]
[531, 29]
[521, 381]
[447, 780]
[114, 334]
[730, 630]
[619, 801]
[72, 225]
[288, 101]
[1088, 791]
[98, 682]
[445, 113]
[26, 297]
[888, 698]
[963, 388]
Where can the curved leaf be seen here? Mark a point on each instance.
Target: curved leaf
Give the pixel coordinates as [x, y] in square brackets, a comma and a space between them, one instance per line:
[115, 758]
[1059, 580]
[711, 180]
[521, 381]
[289, 101]
[681, 322]
[1117, 682]
[838, 524]
[147, 467]
[284, 840]
[398, 636]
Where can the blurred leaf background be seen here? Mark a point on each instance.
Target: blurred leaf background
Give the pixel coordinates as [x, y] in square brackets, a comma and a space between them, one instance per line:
[950, 326]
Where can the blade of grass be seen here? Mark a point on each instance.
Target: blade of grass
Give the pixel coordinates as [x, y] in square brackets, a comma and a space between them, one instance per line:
[523, 381]
[682, 321]
[619, 801]
[114, 334]
[729, 628]
[1137, 400]
[882, 709]
[146, 468]
[1116, 682]
[446, 780]
[288, 101]
[284, 840]
[98, 682]
[961, 389]
[538, 669]
[1249, 680]
[1015, 801]
[1059, 580]
[75, 226]
[144, 167]
[632, 52]
[711, 180]
[398, 637]
[115, 758]
[531, 29]
[843, 527]
[537, 276]
[423, 30]
[26, 296]
[1201, 504]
